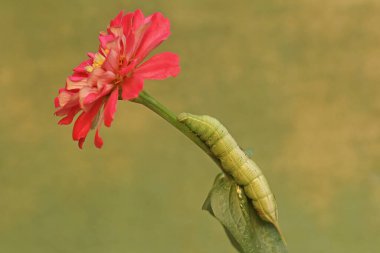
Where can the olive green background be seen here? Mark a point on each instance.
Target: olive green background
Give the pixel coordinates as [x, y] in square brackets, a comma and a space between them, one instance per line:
[296, 81]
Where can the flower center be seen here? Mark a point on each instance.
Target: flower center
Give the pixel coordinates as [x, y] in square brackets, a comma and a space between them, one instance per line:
[98, 61]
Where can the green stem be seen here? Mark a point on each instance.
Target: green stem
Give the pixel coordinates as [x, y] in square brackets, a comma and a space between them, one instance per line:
[145, 99]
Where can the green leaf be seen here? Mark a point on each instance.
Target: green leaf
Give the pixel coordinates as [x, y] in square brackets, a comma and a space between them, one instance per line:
[247, 232]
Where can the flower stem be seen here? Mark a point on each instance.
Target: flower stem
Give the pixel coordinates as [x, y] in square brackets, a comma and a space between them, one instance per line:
[147, 100]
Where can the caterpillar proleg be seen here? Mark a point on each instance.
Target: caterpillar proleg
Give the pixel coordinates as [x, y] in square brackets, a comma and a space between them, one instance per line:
[235, 163]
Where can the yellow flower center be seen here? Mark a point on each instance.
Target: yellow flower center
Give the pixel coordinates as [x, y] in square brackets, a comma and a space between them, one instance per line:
[98, 61]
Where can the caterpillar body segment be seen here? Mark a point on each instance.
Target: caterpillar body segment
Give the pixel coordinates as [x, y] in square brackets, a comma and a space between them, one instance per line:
[224, 145]
[206, 125]
[245, 175]
[235, 163]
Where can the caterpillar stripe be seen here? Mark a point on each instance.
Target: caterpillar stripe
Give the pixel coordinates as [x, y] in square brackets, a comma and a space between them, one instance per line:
[235, 163]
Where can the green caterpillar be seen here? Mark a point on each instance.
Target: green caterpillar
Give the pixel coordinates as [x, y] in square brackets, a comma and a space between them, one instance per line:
[235, 163]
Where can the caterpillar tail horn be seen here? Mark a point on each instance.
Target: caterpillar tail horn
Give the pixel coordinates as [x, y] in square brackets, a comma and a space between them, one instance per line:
[277, 226]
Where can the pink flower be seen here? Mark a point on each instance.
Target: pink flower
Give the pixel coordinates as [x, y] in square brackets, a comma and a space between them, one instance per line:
[116, 70]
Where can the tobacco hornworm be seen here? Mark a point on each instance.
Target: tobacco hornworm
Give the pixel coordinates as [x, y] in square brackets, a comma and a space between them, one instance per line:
[235, 163]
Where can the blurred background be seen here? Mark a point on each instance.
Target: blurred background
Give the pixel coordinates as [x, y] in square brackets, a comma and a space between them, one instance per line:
[296, 81]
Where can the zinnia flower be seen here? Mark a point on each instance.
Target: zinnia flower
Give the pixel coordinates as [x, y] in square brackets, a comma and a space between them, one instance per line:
[116, 70]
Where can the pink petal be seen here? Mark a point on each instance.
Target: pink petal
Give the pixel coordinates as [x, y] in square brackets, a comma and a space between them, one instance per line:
[69, 117]
[159, 67]
[105, 39]
[127, 23]
[116, 22]
[83, 123]
[91, 55]
[100, 78]
[56, 102]
[68, 98]
[72, 85]
[126, 68]
[112, 61]
[90, 95]
[82, 67]
[78, 76]
[155, 34]
[98, 141]
[110, 108]
[63, 111]
[138, 19]
[133, 32]
[131, 87]
[87, 96]
[116, 26]
[81, 141]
